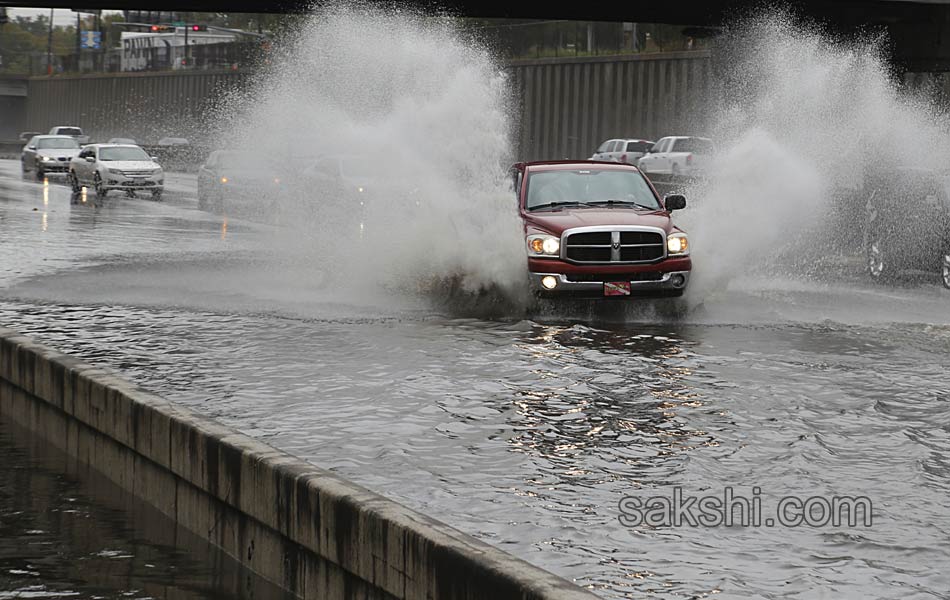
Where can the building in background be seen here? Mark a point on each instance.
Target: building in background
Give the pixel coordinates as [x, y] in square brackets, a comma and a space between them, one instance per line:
[161, 50]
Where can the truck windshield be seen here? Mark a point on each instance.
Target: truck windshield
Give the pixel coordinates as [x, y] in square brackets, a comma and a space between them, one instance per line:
[590, 187]
[57, 143]
[123, 153]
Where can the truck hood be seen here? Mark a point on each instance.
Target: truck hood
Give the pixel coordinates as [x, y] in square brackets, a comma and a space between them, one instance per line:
[556, 221]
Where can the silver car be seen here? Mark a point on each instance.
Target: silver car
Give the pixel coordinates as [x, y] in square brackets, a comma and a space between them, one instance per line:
[106, 167]
[48, 154]
[625, 150]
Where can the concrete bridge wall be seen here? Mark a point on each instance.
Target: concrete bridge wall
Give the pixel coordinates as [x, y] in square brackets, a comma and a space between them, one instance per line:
[299, 526]
[568, 105]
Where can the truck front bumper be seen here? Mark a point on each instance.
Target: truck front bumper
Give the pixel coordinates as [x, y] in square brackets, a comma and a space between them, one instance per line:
[668, 284]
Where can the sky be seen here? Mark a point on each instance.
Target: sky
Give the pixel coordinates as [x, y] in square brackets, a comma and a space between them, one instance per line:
[61, 16]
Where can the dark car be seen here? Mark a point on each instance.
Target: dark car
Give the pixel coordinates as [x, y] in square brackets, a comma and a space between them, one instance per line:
[237, 181]
[907, 223]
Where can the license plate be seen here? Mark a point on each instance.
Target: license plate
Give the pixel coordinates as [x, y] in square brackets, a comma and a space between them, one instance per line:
[616, 288]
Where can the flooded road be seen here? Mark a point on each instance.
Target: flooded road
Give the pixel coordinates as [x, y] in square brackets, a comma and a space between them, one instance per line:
[530, 432]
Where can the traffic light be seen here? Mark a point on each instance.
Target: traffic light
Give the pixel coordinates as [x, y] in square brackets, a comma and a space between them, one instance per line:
[198, 27]
[162, 29]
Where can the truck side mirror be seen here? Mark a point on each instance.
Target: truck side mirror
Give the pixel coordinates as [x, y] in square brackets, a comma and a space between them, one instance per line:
[674, 202]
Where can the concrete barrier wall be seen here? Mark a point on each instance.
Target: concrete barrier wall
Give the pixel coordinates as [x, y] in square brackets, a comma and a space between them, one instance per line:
[570, 106]
[295, 524]
[143, 106]
[567, 106]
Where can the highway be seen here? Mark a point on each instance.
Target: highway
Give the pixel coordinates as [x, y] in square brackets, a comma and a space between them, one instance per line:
[526, 430]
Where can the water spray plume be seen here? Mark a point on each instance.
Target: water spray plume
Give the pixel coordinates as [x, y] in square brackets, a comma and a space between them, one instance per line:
[803, 120]
[422, 119]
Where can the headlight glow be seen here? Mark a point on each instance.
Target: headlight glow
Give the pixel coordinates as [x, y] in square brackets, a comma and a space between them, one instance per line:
[48, 159]
[543, 245]
[224, 180]
[677, 244]
[359, 189]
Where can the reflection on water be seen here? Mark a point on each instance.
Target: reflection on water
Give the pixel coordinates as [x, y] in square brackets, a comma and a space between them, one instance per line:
[528, 434]
[69, 536]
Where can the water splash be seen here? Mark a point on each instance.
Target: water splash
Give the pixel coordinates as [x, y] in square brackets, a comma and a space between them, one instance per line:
[427, 120]
[802, 119]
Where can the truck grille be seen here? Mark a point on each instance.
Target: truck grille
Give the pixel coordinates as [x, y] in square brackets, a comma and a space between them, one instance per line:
[621, 246]
[602, 277]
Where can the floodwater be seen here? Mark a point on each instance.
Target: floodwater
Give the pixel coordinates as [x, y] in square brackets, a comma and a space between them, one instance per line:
[65, 534]
[529, 432]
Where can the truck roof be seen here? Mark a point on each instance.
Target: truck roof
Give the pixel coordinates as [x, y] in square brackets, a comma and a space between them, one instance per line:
[553, 165]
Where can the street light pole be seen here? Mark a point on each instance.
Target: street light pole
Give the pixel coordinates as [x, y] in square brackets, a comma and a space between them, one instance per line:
[78, 39]
[49, 46]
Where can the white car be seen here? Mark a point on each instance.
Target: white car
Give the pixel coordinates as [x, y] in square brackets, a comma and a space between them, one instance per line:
[72, 131]
[105, 167]
[678, 155]
[622, 150]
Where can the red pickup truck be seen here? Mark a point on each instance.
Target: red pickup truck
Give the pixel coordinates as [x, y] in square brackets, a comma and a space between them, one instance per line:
[598, 229]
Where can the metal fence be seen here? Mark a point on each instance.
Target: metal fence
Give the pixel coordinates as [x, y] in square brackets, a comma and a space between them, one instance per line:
[214, 57]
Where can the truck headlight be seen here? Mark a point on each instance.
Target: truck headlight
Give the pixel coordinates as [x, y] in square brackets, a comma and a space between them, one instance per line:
[543, 245]
[677, 244]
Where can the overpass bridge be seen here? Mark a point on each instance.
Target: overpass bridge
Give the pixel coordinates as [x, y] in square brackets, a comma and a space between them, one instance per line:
[918, 29]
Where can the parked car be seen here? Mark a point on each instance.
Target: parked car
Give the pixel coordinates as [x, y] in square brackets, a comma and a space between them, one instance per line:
[230, 179]
[48, 154]
[72, 131]
[907, 223]
[677, 155]
[598, 230]
[106, 167]
[622, 150]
